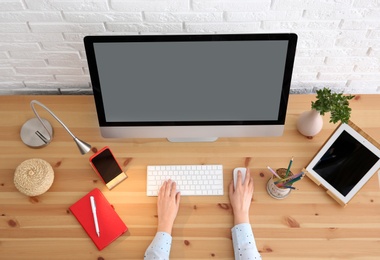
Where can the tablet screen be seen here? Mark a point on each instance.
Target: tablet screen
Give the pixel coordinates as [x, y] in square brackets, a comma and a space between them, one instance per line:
[345, 163]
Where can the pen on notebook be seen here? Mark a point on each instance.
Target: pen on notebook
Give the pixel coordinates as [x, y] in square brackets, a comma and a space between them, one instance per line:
[93, 208]
[290, 165]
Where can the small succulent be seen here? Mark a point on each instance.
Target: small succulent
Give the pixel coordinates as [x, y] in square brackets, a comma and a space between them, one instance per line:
[336, 103]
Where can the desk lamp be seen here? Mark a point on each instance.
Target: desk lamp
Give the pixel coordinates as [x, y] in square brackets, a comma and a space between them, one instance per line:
[38, 132]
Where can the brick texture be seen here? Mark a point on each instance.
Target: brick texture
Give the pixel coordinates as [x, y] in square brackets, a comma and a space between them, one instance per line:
[41, 42]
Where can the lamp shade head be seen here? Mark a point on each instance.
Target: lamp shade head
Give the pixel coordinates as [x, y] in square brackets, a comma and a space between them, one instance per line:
[82, 146]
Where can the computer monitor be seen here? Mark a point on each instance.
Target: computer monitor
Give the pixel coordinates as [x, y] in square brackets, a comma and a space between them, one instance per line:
[191, 87]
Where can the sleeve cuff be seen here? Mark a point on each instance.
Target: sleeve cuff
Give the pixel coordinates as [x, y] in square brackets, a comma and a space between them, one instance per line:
[244, 242]
[160, 247]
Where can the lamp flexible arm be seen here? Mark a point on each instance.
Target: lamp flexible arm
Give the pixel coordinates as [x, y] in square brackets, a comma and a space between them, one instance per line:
[56, 118]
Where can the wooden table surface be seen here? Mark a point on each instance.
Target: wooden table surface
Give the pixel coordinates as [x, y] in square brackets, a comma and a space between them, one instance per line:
[308, 224]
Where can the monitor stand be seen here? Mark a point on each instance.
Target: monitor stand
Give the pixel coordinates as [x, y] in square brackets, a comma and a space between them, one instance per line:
[192, 140]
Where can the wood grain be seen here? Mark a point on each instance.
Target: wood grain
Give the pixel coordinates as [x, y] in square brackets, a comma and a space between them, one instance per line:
[308, 224]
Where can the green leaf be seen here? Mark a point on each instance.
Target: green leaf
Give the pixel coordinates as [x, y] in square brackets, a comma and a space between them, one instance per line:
[336, 103]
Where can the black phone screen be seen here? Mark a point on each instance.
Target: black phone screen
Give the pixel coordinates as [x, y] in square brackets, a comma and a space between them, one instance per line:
[106, 165]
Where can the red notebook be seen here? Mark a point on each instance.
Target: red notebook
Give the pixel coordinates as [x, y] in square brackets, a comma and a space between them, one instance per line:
[110, 224]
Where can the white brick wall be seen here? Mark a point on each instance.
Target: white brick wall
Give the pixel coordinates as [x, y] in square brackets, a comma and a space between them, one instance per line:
[41, 41]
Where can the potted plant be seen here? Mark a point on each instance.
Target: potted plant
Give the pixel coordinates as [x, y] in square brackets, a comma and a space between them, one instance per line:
[310, 122]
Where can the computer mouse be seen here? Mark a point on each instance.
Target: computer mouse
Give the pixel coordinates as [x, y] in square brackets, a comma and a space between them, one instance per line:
[243, 171]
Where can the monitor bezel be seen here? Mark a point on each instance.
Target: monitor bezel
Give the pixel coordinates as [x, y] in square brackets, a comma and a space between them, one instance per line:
[89, 42]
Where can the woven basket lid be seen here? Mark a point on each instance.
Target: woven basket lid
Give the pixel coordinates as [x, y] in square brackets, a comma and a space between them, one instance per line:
[33, 177]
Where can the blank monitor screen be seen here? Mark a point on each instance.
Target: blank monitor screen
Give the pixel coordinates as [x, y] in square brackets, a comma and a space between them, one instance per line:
[189, 81]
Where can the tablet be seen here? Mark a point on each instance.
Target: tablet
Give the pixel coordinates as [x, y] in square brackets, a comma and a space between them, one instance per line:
[345, 162]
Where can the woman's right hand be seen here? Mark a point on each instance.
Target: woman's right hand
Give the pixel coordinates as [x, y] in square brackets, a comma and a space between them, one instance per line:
[241, 197]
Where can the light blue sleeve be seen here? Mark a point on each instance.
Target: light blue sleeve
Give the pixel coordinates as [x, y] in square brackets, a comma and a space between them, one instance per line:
[160, 247]
[244, 243]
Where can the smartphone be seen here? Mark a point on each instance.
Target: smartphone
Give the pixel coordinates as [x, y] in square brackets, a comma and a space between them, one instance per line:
[106, 166]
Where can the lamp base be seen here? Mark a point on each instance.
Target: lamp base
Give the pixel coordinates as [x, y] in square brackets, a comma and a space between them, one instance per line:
[34, 134]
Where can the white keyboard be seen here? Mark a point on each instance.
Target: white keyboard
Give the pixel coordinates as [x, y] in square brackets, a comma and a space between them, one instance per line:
[191, 180]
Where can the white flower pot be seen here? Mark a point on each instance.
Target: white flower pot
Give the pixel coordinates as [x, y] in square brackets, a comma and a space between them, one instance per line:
[310, 123]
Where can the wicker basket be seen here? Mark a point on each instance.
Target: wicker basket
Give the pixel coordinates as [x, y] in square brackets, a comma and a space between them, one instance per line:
[33, 177]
